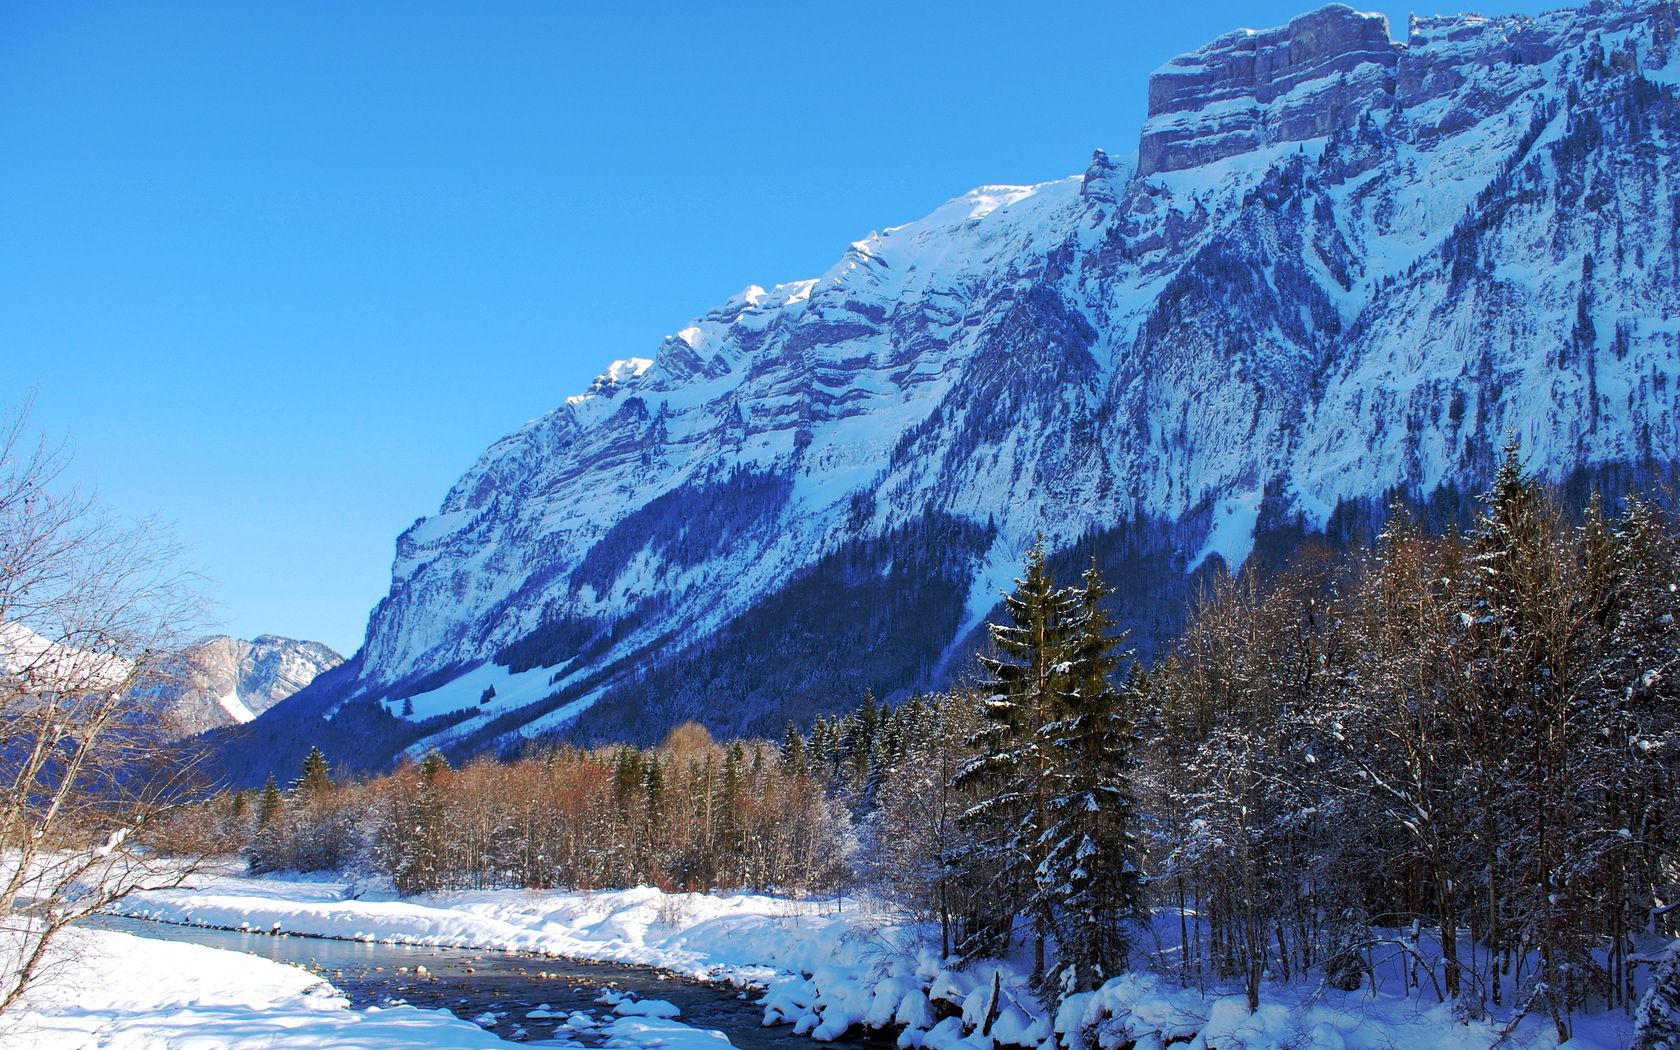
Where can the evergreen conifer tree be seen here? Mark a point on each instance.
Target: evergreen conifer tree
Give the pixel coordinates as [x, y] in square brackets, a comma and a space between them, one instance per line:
[1089, 879]
[418, 841]
[316, 779]
[862, 731]
[1528, 630]
[267, 851]
[1656, 1022]
[1009, 772]
[793, 751]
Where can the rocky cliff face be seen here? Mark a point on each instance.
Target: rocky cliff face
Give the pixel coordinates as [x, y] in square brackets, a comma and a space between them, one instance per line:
[224, 681]
[1339, 268]
[1252, 89]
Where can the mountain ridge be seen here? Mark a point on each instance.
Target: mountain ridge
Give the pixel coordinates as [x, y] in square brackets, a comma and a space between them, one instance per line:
[1338, 269]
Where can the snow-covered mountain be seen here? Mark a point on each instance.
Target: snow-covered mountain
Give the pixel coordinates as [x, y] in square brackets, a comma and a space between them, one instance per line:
[1337, 267]
[29, 659]
[223, 681]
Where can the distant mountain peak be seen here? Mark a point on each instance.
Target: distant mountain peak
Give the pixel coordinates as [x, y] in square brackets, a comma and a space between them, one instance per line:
[222, 680]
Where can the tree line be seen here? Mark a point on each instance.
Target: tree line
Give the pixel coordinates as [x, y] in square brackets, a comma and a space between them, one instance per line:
[1474, 733]
[1458, 749]
[690, 814]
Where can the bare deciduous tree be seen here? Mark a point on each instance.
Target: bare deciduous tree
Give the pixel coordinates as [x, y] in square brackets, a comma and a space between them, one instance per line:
[90, 608]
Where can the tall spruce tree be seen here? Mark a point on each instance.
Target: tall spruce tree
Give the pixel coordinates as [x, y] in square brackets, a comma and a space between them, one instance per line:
[316, 778]
[268, 841]
[1089, 880]
[793, 750]
[412, 844]
[1010, 771]
[1529, 628]
[268, 803]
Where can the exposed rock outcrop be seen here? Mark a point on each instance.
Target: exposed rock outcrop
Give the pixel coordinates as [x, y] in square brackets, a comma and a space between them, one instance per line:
[1252, 89]
[223, 681]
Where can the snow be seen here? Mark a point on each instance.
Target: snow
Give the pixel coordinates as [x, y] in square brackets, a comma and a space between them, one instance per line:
[235, 707]
[745, 936]
[617, 373]
[657, 1009]
[121, 992]
[22, 650]
[825, 966]
[650, 1032]
[1232, 533]
[994, 579]
[512, 690]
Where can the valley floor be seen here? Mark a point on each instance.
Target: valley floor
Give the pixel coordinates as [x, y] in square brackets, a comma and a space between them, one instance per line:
[825, 966]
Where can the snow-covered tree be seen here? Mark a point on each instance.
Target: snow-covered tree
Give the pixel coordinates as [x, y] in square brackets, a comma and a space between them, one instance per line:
[914, 831]
[1089, 880]
[1010, 772]
[1656, 1021]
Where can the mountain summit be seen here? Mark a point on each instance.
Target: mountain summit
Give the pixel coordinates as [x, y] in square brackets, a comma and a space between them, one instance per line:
[221, 681]
[1339, 269]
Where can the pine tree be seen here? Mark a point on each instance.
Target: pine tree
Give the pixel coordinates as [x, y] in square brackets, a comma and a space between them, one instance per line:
[629, 780]
[412, 840]
[316, 779]
[729, 845]
[268, 841]
[793, 751]
[1010, 770]
[1627, 765]
[1528, 635]
[268, 803]
[1089, 880]
[433, 765]
[863, 728]
[1656, 1023]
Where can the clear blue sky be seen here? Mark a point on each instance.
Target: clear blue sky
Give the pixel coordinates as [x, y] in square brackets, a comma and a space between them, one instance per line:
[280, 272]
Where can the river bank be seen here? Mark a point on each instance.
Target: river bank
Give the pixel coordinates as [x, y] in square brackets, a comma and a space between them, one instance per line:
[118, 991]
[533, 999]
[829, 967]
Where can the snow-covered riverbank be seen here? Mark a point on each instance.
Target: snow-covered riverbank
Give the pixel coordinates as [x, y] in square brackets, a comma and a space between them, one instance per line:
[112, 990]
[746, 939]
[826, 966]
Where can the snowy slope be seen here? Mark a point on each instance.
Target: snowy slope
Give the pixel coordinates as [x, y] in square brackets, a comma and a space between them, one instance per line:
[1338, 267]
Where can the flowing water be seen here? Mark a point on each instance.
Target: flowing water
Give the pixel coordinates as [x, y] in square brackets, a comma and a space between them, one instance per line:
[507, 986]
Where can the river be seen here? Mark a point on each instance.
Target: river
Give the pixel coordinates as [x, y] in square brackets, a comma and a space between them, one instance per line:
[508, 986]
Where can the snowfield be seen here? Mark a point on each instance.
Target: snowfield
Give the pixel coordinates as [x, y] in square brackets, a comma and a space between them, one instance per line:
[113, 990]
[824, 966]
